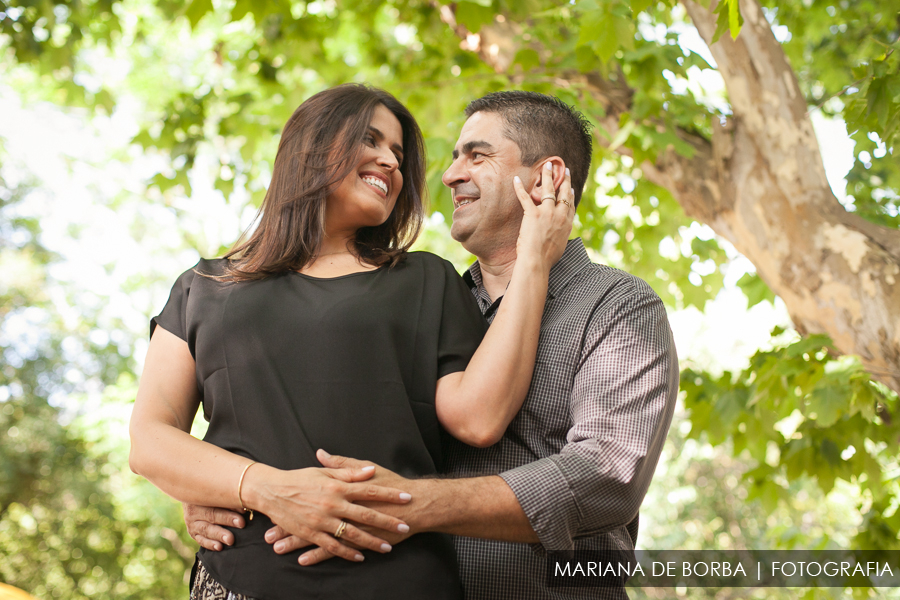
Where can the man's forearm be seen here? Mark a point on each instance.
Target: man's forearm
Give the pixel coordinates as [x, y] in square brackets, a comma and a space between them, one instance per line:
[483, 507]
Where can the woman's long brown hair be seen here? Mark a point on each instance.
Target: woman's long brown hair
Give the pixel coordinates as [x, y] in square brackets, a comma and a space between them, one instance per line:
[320, 145]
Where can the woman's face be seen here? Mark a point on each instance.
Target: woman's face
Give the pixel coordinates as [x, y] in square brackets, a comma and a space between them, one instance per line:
[366, 196]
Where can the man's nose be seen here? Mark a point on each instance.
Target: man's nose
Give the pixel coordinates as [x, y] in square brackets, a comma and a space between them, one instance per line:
[455, 174]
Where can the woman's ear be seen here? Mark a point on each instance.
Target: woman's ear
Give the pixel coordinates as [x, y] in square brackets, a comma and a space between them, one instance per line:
[536, 178]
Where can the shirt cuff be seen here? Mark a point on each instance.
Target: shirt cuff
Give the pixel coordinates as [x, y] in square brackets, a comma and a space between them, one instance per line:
[546, 497]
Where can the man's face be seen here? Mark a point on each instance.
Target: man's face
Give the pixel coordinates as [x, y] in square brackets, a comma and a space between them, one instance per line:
[487, 213]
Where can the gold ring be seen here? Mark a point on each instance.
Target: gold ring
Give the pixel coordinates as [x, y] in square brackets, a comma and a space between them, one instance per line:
[566, 202]
[340, 530]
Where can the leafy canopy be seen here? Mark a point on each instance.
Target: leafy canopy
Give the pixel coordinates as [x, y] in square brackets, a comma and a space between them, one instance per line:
[217, 79]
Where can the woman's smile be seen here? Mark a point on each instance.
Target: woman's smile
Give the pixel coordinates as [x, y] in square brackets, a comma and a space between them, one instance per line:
[376, 180]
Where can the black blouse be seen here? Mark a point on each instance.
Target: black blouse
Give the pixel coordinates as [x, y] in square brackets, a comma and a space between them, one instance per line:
[293, 363]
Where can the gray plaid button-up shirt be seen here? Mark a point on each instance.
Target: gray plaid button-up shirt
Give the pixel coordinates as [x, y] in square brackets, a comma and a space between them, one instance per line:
[581, 453]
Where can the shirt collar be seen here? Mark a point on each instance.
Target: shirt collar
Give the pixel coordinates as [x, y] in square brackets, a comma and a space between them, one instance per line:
[574, 259]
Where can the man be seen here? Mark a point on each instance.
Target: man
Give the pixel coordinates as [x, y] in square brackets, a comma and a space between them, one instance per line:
[574, 465]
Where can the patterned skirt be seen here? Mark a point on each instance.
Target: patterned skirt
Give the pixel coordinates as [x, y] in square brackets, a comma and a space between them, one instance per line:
[204, 587]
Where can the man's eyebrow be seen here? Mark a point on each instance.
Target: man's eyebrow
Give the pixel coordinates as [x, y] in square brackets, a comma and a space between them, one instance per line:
[380, 136]
[468, 147]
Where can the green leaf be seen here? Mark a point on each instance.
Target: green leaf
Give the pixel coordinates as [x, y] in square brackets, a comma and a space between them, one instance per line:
[528, 59]
[241, 8]
[592, 25]
[829, 401]
[755, 289]
[640, 5]
[622, 135]
[196, 11]
[810, 343]
[586, 59]
[605, 31]
[624, 28]
[728, 18]
[879, 100]
[144, 139]
[105, 99]
[860, 71]
[474, 15]
[734, 18]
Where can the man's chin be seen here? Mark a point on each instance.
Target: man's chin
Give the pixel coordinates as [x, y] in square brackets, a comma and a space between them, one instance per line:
[459, 233]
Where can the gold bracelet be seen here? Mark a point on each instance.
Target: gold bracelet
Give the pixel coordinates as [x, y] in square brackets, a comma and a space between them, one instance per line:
[240, 485]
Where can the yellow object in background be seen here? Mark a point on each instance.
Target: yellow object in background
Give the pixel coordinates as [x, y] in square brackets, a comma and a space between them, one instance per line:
[8, 592]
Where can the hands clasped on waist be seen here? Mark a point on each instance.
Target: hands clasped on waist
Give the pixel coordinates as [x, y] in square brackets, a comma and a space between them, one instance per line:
[312, 506]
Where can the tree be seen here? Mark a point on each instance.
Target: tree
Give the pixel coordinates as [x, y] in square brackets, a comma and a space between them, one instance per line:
[64, 532]
[744, 161]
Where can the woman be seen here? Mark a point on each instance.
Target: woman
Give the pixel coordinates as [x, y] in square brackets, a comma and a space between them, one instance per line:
[322, 331]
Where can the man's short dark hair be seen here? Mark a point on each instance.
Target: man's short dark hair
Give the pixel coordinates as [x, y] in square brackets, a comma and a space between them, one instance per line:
[542, 126]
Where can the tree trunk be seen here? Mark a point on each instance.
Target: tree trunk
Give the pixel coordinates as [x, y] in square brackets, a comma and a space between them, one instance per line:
[760, 183]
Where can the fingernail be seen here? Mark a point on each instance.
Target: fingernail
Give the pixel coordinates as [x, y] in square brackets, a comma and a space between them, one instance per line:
[404, 496]
[367, 469]
[567, 172]
[548, 166]
[217, 546]
[270, 535]
[403, 528]
[304, 560]
[325, 453]
[359, 557]
[237, 522]
[386, 548]
[516, 179]
[279, 546]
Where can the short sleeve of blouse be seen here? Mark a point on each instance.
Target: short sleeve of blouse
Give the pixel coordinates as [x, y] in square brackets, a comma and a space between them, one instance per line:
[462, 325]
[173, 317]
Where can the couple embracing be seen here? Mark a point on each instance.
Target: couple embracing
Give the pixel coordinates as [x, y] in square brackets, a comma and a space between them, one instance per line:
[380, 427]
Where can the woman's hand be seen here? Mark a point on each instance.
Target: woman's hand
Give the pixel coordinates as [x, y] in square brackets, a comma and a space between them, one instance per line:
[283, 542]
[477, 405]
[547, 223]
[311, 503]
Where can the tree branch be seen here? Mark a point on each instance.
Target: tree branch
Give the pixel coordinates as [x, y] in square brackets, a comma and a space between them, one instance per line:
[760, 183]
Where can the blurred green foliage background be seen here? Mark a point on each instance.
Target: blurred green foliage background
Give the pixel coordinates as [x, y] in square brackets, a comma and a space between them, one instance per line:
[797, 448]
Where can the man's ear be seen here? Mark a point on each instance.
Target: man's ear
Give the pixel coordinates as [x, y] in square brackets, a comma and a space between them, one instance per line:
[536, 177]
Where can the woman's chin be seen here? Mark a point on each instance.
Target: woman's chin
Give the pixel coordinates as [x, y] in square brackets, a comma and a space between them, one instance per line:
[373, 218]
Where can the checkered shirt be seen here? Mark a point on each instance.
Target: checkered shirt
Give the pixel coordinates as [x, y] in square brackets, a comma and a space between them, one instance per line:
[580, 454]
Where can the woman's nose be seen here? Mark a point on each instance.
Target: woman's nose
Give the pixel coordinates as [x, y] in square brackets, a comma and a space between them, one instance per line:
[387, 159]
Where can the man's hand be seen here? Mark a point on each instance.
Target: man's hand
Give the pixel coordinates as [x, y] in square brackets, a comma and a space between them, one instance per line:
[383, 477]
[207, 525]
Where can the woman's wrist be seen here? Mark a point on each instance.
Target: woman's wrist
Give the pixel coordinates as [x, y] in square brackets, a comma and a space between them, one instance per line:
[254, 489]
[531, 265]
